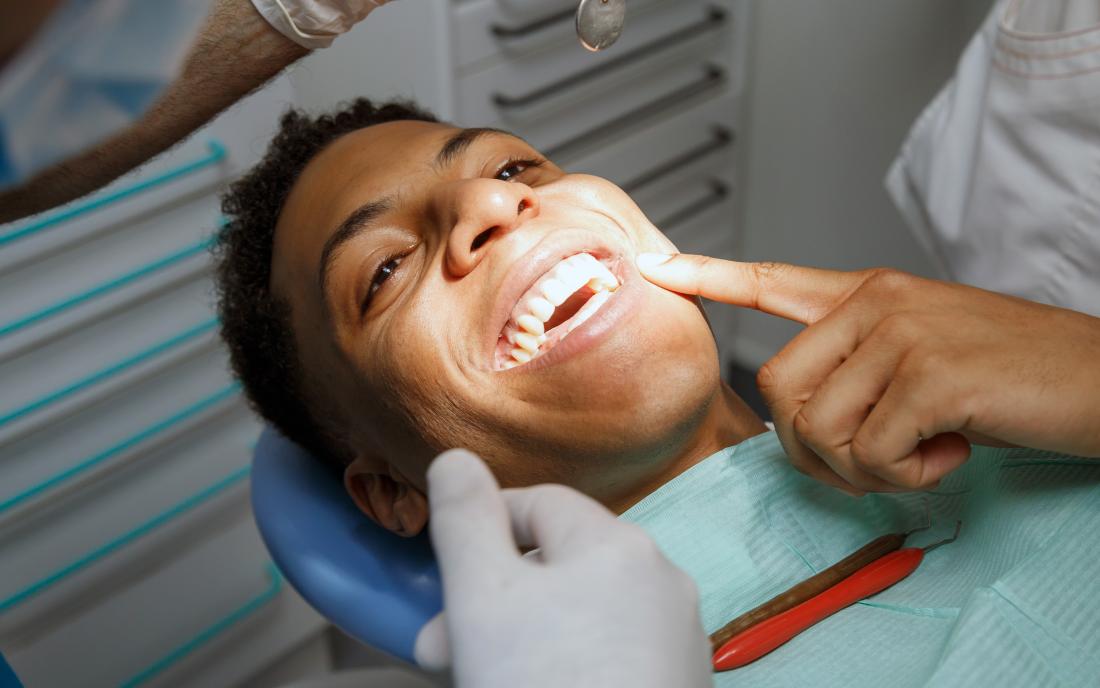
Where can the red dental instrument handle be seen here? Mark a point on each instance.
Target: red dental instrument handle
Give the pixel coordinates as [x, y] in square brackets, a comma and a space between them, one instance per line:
[757, 641]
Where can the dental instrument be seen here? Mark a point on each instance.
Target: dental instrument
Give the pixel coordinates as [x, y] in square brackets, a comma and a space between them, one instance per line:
[782, 618]
[600, 23]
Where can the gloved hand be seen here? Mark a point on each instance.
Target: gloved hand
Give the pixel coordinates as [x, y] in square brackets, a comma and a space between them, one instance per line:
[315, 23]
[598, 604]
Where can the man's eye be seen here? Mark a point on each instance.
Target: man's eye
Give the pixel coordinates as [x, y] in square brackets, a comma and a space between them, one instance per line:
[384, 272]
[514, 168]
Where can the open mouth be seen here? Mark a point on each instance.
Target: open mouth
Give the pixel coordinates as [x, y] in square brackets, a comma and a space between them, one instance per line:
[556, 304]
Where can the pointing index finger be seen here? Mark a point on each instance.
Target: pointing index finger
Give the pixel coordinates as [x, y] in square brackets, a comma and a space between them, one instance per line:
[796, 293]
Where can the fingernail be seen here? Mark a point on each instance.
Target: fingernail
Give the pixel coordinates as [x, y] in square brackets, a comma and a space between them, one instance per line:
[651, 260]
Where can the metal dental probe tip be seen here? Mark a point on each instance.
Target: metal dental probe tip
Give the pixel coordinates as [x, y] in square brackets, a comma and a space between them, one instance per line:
[600, 22]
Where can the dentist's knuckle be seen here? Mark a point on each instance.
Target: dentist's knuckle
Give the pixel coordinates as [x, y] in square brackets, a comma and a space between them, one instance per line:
[889, 281]
[806, 426]
[922, 364]
[768, 271]
[767, 379]
[864, 451]
[766, 275]
[898, 329]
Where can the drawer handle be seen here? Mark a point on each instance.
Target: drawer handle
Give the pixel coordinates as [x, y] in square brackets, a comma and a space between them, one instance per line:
[216, 153]
[274, 587]
[713, 77]
[714, 19]
[194, 501]
[720, 139]
[109, 372]
[535, 26]
[719, 191]
[149, 432]
[104, 288]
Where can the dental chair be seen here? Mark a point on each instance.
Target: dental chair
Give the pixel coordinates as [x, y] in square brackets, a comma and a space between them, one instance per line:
[375, 586]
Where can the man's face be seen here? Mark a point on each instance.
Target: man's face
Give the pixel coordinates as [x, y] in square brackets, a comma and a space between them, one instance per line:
[410, 254]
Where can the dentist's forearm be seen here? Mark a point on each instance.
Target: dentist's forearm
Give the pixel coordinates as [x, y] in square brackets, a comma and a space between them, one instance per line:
[236, 52]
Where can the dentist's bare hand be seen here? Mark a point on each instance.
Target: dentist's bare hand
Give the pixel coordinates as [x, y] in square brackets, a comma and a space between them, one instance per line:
[599, 605]
[895, 375]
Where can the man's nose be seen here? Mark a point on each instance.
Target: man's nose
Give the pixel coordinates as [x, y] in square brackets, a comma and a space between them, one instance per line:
[483, 211]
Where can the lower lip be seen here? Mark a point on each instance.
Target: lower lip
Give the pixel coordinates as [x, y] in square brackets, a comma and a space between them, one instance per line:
[589, 334]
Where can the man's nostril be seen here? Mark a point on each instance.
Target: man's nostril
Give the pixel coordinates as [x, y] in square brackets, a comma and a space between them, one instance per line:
[523, 205]
[480, 239]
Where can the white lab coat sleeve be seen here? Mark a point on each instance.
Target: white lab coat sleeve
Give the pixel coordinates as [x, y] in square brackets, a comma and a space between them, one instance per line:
[315, 24]
[928, 181]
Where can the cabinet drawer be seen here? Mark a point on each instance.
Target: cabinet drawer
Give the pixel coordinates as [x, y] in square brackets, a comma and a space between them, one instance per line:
[107, 351]
[552, 98]
[505, 29]
[209, 614]
[55, 452]
[66, 277]
[96, 530]
[640, 158]
[169, 190]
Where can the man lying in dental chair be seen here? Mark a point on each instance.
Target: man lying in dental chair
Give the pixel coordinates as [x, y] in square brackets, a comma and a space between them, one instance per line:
[391, 286]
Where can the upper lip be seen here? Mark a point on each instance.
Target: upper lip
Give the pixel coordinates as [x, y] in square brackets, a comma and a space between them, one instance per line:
[535, 263]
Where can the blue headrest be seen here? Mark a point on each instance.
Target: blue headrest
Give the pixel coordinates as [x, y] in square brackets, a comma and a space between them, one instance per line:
[377, 587]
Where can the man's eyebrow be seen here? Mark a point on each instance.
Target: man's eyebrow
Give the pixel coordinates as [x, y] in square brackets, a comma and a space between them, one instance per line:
[461, 141]
[352, 226]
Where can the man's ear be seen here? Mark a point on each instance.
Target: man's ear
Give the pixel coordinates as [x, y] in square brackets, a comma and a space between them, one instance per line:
[386, 496]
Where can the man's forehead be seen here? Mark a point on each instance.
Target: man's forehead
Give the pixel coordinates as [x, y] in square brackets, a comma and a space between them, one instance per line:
[361, 163]
[380, 148]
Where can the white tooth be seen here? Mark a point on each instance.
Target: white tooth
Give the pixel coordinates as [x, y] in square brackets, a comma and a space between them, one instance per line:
[585, 259]
[541, 308]
[531, 324]
[508, 365]
[598, 276]
[521, 355]
[585, 264]
[555, 292]
[527, 341]
[605, 275]
[573, 277]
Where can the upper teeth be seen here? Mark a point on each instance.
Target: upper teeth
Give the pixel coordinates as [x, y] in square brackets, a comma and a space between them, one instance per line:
[526, 331]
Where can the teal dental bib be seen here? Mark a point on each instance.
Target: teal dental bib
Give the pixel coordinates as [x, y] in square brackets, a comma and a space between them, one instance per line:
[1014, 602]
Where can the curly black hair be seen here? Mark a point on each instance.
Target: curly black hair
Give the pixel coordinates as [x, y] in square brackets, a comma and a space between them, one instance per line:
[255, 324]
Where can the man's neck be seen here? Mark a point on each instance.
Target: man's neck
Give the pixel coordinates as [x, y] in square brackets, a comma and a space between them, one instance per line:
[729, 421]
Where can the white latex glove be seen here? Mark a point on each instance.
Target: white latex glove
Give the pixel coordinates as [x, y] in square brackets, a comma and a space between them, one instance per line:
[598, 605]
[315, 24]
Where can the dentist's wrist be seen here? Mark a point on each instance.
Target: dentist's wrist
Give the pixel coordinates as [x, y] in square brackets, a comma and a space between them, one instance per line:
[314, 24]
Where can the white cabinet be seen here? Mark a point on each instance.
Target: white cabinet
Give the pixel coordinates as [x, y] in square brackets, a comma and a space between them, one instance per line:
[128, 555]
